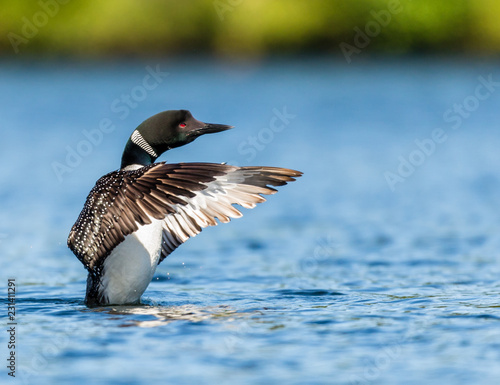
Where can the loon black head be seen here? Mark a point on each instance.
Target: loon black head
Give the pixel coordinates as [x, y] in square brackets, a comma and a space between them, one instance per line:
[163, 131]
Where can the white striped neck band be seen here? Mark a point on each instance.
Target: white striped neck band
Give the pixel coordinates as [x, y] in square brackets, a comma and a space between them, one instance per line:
[139, 140]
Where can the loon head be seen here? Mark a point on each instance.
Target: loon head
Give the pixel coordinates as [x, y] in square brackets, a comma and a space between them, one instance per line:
[163, 131]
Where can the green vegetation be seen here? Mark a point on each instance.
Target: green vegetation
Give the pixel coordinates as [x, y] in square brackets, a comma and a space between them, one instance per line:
[247, 27]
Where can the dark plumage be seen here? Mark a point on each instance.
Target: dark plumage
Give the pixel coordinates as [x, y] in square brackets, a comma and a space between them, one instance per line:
[135, 217]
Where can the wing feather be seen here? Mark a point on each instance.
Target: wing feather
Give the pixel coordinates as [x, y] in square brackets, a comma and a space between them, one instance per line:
[186, 196]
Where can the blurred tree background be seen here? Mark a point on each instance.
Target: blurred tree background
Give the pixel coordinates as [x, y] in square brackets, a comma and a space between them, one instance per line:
[247, 28]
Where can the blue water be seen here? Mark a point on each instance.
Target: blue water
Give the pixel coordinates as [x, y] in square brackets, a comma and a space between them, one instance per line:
[343, 277]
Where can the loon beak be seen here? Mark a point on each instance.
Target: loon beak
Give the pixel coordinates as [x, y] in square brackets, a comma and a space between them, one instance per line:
[210, 128]
[200, 128]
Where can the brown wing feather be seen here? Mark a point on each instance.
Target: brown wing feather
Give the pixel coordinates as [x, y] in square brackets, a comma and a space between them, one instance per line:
[187, 196]
[238, 185]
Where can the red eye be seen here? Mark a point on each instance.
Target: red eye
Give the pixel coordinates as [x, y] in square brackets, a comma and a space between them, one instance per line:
[182, 125]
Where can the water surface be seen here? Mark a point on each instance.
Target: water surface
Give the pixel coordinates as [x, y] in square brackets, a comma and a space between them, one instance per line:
[340, 278]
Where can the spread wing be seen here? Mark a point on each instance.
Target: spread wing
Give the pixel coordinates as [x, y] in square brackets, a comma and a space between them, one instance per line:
[186, 196]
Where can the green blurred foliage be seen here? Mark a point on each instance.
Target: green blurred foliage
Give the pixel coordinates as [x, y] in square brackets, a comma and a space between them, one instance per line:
[245, 27]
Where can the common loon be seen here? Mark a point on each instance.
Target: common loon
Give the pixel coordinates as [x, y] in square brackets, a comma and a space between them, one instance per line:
[135, 217]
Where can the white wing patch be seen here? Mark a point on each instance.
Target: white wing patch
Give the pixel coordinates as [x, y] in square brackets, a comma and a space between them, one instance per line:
[214, 202]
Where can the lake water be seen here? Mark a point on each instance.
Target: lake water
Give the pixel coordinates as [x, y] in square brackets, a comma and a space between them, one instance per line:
[380, 265]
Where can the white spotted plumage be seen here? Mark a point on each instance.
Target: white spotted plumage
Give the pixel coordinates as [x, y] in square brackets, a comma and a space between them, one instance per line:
[130, 267]
[135, 217]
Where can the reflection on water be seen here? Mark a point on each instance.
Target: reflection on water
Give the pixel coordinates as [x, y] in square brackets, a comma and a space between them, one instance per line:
[164, 315]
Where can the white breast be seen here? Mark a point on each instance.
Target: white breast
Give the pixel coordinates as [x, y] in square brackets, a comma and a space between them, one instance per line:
[128, 270]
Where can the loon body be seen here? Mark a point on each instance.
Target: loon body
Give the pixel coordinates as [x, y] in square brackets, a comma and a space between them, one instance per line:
[136, 216]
